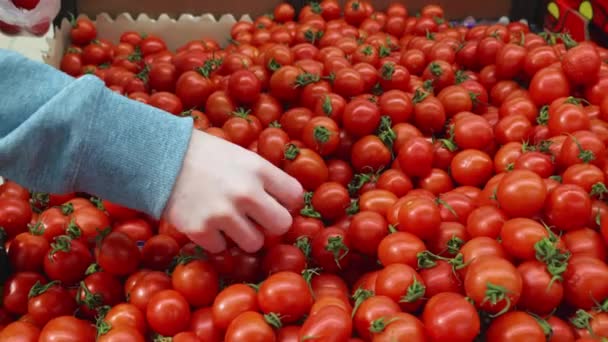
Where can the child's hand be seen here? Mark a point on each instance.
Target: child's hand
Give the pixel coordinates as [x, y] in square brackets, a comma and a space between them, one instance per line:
[224, 188]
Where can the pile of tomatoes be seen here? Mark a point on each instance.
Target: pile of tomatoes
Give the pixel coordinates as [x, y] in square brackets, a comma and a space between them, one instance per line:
[456, 189]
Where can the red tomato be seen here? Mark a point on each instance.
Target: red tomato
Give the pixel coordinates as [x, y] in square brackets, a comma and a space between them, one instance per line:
[16, 291]
[416, 157]
[68, 329]
[20, 331]
[118, 254]
[166, 101]
[306, 166]
[331, 199]
[284, 257]
[202, 325]
[126, 315]
[277, 295]
[584, 280]
[547, 85]
[581, 64]
[145, 286]
[158, 252]
[197, 281]
[331, 249]
[402, 284]
[15, 214]
[493, 283]
[521, 193]
[330, 323]
[67, 260]
[472, 167]
[370, 310]
[231, 302]
[168, 312]
[321, 134]
[449, 316]
[28, 250]
[399, 327]
[370, 153]
[367, 229]
[419, 216]
[361, 117]
[579, 203]
[515, 325]
[49, 301]
[519, 237]
[97, 290]
[541, 293]
[83, 32]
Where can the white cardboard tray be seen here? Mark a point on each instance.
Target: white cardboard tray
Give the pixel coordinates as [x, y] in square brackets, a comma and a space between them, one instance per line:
[175, 32]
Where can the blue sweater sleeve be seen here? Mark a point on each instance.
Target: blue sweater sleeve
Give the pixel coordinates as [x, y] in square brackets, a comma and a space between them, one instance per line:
[59, 134]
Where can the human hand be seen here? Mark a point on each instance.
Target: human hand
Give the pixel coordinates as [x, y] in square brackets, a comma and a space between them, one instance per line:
[225, 188]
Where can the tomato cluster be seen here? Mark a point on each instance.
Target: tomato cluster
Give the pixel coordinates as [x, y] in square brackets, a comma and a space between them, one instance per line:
[455, 177]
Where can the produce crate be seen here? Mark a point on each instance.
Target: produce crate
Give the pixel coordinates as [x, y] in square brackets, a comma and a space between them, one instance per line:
[174, 31]
[453, 9]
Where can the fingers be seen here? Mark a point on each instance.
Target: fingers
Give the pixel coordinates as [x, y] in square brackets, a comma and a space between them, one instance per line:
[243, 232]
[286, 189]
[270, 214]
[210, 240]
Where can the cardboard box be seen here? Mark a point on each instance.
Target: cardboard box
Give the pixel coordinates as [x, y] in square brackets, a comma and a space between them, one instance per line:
[480, 9]
[165, 19]
[175, 32]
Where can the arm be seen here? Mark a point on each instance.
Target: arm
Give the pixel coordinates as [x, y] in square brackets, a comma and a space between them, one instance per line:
[59, 134]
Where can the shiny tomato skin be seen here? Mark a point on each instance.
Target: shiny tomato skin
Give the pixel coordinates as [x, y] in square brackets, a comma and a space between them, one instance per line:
[197, 281]
[118, 254]
[520, 235]
[493, 271]
[20, 331]
[584, 280]
[579, 203]
[249, 326]
[521, 193]
[367, 229]
[168, 312]
[547, 85]
[126, 315]
[540, 294]
[16, 290]
[15, 214]
[145, 286]
[67, 261]
[419, 216]
[440, 318]
[46, 305]
[361, 117]
[68, 329]
[27, 252]
[472, 167]
[330, 323]
[276, 295]
[370, 154]
[370, 310]
[514, 326]
[231, 302]
[400, 248]
[416, 157]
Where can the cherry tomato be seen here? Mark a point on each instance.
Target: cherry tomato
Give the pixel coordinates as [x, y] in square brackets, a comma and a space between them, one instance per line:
[449, 316]
[69, 329]
[197, 281]
[168, 312]
[493, 283]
